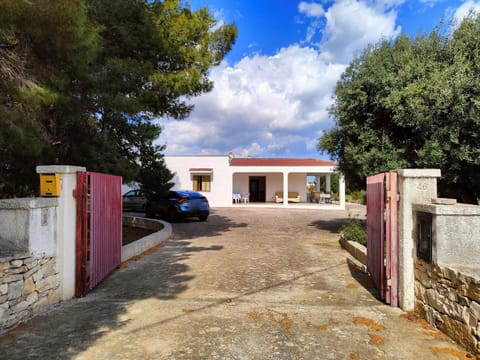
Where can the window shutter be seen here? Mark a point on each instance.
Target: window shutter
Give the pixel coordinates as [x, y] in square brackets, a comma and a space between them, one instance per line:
[195, 183]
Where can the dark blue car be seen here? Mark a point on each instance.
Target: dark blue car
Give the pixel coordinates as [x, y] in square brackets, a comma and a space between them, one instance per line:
[178, 204]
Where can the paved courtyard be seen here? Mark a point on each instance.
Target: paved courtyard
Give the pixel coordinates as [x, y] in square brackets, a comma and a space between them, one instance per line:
[249, 283]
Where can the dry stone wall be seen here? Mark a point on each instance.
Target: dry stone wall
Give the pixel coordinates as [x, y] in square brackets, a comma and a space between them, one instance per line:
[27, 285]
[450, 300]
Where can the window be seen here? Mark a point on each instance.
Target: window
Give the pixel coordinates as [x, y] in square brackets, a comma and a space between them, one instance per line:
[201, 183]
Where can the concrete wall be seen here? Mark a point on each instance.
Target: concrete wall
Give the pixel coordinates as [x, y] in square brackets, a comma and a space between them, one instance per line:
[455, 233]
[163, 231]
[28, 225]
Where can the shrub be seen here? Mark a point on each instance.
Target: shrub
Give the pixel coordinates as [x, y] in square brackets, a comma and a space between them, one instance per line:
[355, 230]
[359, 196]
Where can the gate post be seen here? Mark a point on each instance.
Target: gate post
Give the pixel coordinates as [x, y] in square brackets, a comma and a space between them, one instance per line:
[65, 226]
[415, 186]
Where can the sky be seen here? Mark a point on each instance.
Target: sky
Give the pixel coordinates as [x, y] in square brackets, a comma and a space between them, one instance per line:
[272, 91]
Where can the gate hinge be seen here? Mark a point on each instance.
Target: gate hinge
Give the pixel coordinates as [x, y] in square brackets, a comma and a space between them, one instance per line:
[396, 196]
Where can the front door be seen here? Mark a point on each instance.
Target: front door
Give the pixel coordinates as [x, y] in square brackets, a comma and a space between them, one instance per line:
[257, 186]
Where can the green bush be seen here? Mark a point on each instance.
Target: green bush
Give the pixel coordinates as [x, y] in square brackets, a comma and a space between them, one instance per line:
[359, 196]
[355, 230]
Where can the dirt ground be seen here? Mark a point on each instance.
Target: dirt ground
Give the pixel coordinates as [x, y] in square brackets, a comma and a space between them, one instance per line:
[130, 234]
[248, 283]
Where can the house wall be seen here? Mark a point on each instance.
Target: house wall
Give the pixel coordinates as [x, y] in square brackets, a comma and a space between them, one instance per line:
[221, 179]
[274, 184]
[240, 184]
[298, 182]
[227, 180]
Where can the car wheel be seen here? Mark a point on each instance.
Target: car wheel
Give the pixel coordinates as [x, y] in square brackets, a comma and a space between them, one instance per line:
[203, 217]
[172, 215]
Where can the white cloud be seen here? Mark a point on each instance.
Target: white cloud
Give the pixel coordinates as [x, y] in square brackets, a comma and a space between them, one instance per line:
[278, 105]
[348, 26]
[264, 105]
[464, 10]
[310, 9]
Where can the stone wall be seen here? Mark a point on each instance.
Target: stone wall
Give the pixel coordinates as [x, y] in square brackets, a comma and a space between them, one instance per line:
[449, 298]
[27, 285]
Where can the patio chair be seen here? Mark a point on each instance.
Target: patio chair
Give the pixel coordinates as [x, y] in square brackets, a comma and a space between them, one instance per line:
[246, 198]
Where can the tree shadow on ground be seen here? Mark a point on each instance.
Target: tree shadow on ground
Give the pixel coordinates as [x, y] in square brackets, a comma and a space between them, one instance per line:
[70, 328]
[363, 278]
[215, 225]
[333, 225]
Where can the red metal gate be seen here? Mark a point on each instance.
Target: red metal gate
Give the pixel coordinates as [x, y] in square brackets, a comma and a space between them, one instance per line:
[99, 228]
[382, 234]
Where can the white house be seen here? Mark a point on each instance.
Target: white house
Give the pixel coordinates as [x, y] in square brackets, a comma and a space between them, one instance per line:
[224, 178]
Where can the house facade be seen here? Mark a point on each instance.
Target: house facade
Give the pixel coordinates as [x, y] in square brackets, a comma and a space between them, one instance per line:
[227, 180]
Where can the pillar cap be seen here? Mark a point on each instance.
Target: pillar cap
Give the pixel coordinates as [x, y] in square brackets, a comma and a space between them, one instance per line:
[61, 169]
[419, 173]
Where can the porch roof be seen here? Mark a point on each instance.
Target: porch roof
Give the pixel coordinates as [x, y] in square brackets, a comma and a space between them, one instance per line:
[280, 162]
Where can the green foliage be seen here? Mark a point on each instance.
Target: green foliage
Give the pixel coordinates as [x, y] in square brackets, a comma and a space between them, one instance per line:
[81, 82]
[412, 103]
[359, 196]
[355, 230]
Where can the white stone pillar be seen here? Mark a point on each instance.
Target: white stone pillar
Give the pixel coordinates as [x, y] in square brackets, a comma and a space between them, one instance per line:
[317, 183]
[285, 188]
[65, 226]
[327, 184]
[341, 190]
[415, 186]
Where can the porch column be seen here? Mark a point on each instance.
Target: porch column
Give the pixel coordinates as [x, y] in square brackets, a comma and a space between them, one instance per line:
[327, 185]
[285, 188]
[341, 190]
[317, 183]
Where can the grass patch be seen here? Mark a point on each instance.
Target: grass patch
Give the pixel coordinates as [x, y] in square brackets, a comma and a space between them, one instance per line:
[355, 230]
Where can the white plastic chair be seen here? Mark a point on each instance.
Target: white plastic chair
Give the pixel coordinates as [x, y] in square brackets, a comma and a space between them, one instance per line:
[236, 198]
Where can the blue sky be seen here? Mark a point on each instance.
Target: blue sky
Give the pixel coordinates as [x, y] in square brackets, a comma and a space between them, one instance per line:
[273, 90]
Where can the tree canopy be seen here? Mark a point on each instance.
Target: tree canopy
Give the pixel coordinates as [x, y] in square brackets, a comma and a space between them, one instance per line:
[82, 81]
[412, 103]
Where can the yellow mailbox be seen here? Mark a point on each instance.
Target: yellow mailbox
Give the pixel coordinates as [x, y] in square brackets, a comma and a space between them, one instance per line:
[49, 184]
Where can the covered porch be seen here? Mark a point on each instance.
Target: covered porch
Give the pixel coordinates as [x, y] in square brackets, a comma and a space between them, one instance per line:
[274, 183]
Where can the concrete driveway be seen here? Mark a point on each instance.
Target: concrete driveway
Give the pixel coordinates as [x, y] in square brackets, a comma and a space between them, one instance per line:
[247, 284]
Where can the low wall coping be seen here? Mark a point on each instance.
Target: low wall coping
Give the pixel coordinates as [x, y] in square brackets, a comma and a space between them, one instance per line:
[62, 169]
[28, 203]
[419, 173]
[141, 245]
[455, 210]
[357, 250]
[472, 271]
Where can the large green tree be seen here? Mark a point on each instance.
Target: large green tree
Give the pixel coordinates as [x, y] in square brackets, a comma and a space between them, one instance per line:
[412, 102]
[83, 80]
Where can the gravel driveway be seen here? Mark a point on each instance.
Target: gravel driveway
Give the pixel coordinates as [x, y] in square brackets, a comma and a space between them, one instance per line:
[249, 283]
